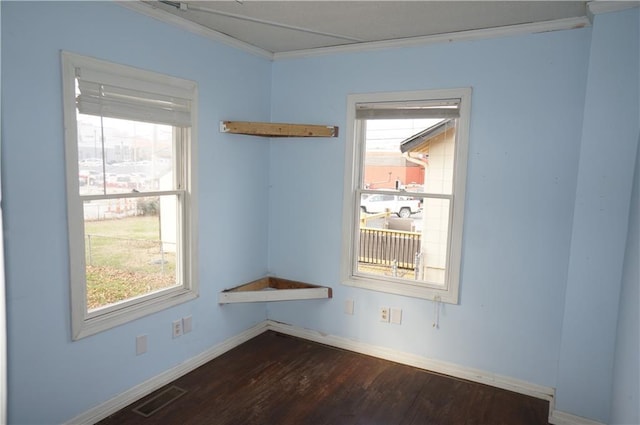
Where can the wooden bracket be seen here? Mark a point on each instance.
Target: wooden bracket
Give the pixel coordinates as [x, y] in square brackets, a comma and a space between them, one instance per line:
[266, 129]
[273, 289]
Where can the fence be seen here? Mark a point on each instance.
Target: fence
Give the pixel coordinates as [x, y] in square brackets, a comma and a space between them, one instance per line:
[383, 246]
[102, 209]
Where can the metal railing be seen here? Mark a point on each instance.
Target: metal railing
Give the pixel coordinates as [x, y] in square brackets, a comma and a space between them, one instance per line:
[395, 248]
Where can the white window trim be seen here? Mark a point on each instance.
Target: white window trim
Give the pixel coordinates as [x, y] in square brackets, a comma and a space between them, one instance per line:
[84, 323]
[353, 166]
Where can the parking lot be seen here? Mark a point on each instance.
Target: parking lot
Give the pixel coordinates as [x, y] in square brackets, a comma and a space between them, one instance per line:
[121, 177]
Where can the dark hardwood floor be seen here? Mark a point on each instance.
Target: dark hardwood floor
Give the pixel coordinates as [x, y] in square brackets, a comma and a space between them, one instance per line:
[277, 379]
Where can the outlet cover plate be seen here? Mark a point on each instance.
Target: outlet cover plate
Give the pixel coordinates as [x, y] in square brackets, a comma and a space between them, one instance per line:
[396, 316]
[187, 324]
[348, 307]
[141, 344]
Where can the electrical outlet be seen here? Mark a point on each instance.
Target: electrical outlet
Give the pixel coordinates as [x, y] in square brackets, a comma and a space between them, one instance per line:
[384, 314]
[177, 328]
[186, 324]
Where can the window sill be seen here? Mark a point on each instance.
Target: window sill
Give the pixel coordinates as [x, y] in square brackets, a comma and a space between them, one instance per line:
[444, 295]
[146, 306]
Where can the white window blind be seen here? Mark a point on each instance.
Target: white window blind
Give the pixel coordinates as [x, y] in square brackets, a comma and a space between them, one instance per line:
[445, 108]
[114, 96]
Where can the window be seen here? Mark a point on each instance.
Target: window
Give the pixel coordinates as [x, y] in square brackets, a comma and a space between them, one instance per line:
[130, 149]
[406, 158]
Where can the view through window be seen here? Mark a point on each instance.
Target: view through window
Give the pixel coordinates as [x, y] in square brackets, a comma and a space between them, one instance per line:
[404, 229]
[130, 191]
[409, 158]
[130, 231]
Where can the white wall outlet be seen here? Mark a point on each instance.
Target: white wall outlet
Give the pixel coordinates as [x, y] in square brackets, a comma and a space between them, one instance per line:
[348, 307]
[141, 344]
[384, 314]
[186, 324]
[396, 316]
[177, 328]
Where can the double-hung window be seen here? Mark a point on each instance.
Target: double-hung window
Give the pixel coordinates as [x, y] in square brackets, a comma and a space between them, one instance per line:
[131, 204]
[406, 159]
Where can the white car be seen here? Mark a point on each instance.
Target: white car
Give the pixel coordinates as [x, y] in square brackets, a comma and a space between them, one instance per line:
[403, 206]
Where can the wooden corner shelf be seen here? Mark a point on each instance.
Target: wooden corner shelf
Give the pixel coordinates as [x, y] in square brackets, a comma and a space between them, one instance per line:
[273, 289]
[266, 129]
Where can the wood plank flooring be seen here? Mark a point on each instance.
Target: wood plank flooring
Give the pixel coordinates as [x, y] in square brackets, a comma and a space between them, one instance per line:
[277, 379]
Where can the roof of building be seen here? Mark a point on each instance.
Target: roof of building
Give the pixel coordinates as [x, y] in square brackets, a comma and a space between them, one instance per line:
[419, 140]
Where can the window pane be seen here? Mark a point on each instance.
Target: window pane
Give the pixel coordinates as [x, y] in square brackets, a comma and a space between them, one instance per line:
[119, 156]
[404, 238]
[130, 246]
[412, 154]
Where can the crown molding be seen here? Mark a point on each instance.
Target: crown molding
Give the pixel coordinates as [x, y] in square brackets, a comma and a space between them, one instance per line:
[597, 7]
[168, 18]
[511, 30]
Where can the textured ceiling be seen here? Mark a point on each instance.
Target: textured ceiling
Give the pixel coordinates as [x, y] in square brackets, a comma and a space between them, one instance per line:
[285, 26]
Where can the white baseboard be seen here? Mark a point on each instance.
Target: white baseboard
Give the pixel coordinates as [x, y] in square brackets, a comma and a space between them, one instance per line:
[561, 418]
[475, 375]
[124, 399]
[522, 387]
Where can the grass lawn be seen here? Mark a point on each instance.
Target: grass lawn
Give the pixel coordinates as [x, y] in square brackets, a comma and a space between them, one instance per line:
[124, 260]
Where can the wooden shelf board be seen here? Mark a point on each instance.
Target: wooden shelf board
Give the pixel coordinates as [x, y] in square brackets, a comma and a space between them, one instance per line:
[273, 289]
[266, 129]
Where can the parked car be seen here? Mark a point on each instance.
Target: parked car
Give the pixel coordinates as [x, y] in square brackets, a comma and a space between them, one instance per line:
[123, 180]
[87, 177]
[90, 162]
[403, 206]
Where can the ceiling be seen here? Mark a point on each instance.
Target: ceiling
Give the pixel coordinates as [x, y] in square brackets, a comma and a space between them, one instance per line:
[289, 26]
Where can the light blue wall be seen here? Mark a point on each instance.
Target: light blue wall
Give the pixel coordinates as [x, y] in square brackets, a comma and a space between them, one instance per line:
[625, 399]
[526, 126]
[532, 162]
[607, 158]
[52, 379]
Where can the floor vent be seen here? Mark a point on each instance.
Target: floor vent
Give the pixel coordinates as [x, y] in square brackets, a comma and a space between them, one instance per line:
[160, 400]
